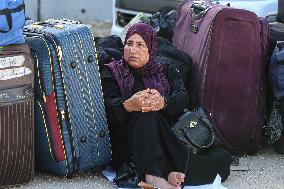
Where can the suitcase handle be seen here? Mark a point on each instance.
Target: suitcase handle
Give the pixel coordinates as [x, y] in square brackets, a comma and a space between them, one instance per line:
[42, 23]
[198, 10]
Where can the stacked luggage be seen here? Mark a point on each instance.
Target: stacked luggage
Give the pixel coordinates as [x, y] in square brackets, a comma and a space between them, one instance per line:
[229, 51]
[48, 78]
[56, 86]
[71, 133]
[16, 97]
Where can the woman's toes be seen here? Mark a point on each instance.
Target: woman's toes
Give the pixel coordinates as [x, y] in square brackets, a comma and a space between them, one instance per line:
[172, 178]
[180, 177]
[178, 182]
[176, 178]
[159, 182]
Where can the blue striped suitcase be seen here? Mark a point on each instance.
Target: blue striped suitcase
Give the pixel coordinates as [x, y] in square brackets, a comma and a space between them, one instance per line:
[71, 133]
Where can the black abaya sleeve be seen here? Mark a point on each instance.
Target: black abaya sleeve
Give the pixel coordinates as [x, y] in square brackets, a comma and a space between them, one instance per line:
[178, 98]
[113, 101]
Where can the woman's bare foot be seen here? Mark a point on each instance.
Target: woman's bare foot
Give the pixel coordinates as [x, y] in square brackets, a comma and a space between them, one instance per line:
[176, 178]
[159, 182]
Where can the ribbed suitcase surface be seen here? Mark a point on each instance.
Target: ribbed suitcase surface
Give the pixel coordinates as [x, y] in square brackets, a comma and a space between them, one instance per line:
[72, 133]
[16, 115]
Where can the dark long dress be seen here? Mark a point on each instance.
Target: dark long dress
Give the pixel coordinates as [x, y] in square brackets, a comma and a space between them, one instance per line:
[148, 136]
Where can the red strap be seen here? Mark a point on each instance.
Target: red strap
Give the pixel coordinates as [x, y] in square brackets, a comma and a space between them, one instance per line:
[53, 120]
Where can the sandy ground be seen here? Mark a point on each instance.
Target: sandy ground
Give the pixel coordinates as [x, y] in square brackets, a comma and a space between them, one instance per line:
[264, 170]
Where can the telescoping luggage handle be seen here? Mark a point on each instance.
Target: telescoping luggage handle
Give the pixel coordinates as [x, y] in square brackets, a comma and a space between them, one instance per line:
[8, 14]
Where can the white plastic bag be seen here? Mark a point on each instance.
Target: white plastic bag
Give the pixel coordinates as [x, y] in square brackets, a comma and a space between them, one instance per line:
[215, 185]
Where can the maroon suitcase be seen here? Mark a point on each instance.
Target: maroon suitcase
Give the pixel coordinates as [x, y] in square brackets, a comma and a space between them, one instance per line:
[16, 115]
[229, 50]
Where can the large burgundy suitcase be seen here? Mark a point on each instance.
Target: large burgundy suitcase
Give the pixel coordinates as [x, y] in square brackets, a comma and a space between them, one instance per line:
[229, 50]
[16, 115]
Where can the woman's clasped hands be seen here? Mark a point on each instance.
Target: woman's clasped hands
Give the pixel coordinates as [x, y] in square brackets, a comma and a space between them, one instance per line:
[148, 100]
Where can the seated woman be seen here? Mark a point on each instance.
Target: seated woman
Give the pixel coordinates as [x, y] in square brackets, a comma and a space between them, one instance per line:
[143, 98]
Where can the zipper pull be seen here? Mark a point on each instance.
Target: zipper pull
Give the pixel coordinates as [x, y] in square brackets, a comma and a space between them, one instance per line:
[44, 98]
[63, 114]
[59, 53]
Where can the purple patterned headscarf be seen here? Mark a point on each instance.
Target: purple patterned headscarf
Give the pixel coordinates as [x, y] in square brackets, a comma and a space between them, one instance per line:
[151, 72]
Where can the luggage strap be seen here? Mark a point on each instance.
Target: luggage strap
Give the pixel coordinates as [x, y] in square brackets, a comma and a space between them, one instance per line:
[8, 14]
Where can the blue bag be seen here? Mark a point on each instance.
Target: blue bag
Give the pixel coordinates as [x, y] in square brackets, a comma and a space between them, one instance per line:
[12, 20]
[276, 71]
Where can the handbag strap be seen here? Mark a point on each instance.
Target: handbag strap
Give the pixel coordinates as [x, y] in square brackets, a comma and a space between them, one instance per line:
[8, 14]
[186, 164]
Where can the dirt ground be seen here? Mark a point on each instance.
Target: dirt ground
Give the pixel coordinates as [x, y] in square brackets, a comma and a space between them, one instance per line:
[264, 170]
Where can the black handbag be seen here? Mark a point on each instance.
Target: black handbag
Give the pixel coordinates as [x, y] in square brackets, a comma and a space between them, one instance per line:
[194, 130]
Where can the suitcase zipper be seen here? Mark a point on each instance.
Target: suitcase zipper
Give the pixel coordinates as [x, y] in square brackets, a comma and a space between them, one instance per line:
[61, 113]
[88, 84]
[97, 63]
[39, 80]
[59, 55]
[64, 115]
[46, 130]
[89, 91]
[44, 98]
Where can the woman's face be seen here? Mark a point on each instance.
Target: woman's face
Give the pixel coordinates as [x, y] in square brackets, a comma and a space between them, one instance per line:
[136, 52]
